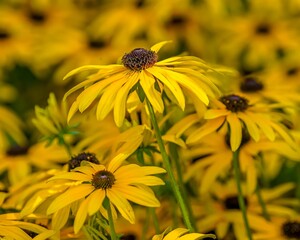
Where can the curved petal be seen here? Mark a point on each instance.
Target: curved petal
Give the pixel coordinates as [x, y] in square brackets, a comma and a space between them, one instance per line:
[159, 45]
[121, 204]
[71, 195]
[235, 131]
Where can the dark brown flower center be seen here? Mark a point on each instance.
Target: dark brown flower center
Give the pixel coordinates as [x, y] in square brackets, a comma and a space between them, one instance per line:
[96, 43]
[4, 34]
[292, 71]
[76, 160]
[103, 180]
[291, 230]
[251, 84]
[37, 17]
[176, 21]
[263, 29]
[233, 203]
[139, 59]
[234, 103]
[17, 151]
[129, 236]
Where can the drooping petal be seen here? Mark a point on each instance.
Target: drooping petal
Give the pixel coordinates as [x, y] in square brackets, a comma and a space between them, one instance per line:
[121, 204]
[71, 195]
[147, 82]
[250, 125]
[207, 128]
[81, 215]
[235, 131]
[139, 196]
[172, 86]
[96, 199]
[121, 97]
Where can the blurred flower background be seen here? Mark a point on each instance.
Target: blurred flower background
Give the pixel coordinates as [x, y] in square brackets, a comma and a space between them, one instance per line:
[216, 106]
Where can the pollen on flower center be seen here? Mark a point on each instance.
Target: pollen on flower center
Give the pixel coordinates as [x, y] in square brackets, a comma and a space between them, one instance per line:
[251, 84]
[139, 59]
[103, 179]
[291, 230]
[235, 103]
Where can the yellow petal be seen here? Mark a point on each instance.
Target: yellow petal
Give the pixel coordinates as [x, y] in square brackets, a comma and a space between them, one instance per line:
[120, 100]
[107, 100]
[159, 45]
[147, 82]
[250, 125]
[173, 86]
[121, 204]
[60, 218]
[81, 215]
[235, 131]
[207, 128]
[81, 69]
[96, 199]
[176, 233]
[215, 113]
[139, 196]
[71, 195]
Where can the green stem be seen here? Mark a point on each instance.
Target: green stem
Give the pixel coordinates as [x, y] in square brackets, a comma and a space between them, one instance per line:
[167, 165]
[111, 223]
[262, 203]
[66, 145]
[155, 220]
[241, 200]
[175, 158]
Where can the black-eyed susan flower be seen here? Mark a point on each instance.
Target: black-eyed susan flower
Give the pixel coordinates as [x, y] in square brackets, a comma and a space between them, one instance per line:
[220, 210]
[141, 71]
[213, 157]
[118, 183]
[182, 234]
[281, 228]
[267, 86]
[235, 113]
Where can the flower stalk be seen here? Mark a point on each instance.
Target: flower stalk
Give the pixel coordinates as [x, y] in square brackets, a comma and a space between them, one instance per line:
[167, 165]
[237, 174]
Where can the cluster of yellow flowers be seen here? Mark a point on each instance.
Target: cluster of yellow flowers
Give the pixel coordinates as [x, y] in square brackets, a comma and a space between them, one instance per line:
[164, 120]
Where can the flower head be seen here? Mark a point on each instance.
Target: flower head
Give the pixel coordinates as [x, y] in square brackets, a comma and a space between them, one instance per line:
[237, 114]
[117, 183]
[142, 72]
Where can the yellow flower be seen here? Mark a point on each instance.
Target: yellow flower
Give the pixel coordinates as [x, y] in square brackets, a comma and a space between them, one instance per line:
[118, 183]
[256, 37]
[182, 234]
[141, 71]
[213, 157]
[235, 113]
[220, 211]
[280, 228]
[268, 87]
